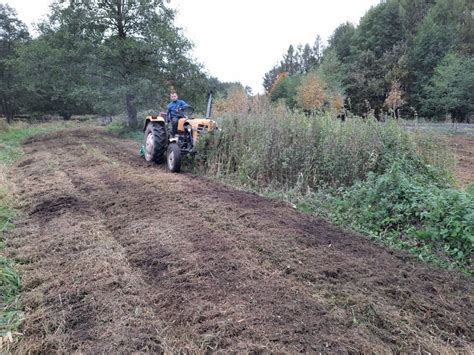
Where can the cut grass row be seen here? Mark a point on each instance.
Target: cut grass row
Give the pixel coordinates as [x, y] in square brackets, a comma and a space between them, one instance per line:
[10, 281]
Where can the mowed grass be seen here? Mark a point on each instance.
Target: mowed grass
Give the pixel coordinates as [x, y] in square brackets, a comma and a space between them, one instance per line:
[11, 137]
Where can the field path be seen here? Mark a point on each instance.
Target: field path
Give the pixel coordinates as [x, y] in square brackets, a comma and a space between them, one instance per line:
[120, 256]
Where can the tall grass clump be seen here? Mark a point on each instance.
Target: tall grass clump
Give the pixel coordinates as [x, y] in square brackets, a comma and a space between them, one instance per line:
[282, 149]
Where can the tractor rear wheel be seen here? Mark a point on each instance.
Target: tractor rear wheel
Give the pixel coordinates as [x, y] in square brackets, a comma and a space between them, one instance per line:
[173, 158]
[155, 142]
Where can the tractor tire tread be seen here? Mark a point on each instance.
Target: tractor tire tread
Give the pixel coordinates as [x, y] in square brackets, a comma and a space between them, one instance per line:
[159, 137]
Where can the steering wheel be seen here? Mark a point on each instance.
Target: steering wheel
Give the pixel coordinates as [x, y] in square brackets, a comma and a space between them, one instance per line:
[187, 111]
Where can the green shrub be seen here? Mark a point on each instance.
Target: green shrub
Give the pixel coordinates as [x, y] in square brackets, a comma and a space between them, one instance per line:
[406, 211]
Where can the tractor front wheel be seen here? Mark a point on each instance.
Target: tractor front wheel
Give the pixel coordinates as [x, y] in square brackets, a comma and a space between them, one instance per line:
[173, 157]
[155, 142]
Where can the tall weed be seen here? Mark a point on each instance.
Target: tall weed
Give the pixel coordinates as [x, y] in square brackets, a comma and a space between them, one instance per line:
[281, 149]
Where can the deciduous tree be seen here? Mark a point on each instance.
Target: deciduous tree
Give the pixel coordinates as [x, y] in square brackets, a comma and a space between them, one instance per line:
[133, 51]
[311, 94]
[438, 34]
[394, 99]
[13, 32]
[451, 88]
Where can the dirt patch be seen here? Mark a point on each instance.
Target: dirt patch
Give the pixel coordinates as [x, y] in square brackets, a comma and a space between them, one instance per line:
[463, 148]
[54, 206]
[120, 256]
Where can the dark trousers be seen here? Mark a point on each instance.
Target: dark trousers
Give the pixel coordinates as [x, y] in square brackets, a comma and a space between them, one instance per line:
[174, 126]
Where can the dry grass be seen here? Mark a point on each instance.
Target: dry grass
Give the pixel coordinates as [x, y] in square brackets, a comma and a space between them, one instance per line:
[4, 127]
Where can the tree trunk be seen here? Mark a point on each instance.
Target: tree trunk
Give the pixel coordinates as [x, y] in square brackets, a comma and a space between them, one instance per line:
[131, 111]
[65, 114]
[7, 108]
[119, 20]
[4, 108]
[10, 114]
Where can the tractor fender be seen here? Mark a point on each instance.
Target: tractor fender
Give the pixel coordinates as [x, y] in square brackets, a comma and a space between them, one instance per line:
[148, 119]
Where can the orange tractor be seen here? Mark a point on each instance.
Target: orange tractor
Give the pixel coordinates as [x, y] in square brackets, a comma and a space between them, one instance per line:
[160, 145]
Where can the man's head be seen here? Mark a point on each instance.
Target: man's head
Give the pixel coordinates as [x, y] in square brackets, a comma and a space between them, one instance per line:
[173, 96]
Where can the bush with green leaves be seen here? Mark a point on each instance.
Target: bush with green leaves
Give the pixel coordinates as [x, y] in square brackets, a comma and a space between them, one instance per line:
[409, 212]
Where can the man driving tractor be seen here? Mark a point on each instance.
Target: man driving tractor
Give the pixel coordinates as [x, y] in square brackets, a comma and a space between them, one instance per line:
[159, 143]
[175, 108]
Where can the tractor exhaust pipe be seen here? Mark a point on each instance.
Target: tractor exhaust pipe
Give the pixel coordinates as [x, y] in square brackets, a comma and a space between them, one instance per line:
[209, 106]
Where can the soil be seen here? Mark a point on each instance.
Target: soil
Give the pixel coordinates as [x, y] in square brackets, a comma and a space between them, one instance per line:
[119, 256]
[463, 148]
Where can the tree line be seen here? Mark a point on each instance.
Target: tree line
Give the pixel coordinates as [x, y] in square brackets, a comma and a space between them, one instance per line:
[413, 58]
[406, 57]
[102, 57]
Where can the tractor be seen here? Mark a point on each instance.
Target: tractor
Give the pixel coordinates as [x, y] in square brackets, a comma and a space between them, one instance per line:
[160, 145]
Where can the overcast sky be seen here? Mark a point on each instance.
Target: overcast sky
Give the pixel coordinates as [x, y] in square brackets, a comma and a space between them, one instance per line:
[240, 40]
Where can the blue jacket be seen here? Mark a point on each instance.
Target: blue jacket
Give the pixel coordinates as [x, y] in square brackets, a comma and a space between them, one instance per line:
[173, 108]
